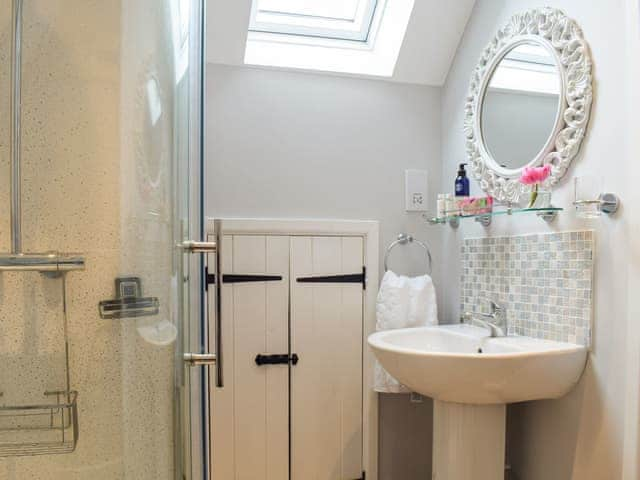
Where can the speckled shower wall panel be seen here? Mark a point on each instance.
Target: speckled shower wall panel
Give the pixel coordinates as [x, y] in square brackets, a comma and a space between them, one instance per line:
[544, 282]
[73, 170]
[70, 150]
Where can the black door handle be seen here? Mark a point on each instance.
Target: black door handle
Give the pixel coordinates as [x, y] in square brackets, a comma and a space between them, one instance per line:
[280, 359]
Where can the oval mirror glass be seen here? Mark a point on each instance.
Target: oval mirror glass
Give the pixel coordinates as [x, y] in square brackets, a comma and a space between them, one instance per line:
[521, 106]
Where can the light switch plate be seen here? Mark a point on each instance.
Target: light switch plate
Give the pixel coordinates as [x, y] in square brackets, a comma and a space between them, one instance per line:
[416, 192]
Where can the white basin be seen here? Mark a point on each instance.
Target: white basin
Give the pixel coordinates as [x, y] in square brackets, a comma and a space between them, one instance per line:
[445, 363]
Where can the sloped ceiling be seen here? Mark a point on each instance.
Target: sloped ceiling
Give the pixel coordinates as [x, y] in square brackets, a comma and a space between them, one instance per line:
[430, 44]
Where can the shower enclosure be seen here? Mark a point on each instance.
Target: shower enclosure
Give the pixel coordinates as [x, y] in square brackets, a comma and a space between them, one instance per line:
[101, 296]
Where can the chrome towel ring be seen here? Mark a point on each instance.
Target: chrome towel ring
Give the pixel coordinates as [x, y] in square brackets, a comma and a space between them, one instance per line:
[404, 239]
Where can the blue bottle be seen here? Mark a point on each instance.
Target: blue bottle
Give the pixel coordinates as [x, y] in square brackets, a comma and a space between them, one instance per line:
[462, 182]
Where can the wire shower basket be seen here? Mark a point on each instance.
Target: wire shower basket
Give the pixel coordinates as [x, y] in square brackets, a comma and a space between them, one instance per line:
[47, 427]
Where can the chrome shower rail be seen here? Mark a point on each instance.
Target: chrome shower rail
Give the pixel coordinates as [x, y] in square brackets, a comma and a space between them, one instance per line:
[16, 122]
[16, 260]
[51, 425]
[41, 262]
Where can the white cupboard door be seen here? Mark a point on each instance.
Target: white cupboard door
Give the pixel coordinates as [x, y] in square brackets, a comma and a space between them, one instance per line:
[326, 384]
[250, 414]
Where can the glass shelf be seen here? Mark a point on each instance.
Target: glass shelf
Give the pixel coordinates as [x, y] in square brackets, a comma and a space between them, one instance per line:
[548, 214]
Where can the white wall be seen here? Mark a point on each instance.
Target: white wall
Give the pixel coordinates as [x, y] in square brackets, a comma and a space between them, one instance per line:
[308, 146]
[583, 435]
[297, 145]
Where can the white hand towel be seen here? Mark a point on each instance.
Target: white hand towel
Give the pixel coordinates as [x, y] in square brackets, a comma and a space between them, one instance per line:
[403, 302]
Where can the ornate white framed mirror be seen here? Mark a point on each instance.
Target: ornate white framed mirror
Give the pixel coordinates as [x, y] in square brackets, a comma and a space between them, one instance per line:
[529, 102]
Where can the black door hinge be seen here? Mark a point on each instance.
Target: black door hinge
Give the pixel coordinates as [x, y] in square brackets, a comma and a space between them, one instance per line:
[209, 278]
[237, 278]
[348, 278]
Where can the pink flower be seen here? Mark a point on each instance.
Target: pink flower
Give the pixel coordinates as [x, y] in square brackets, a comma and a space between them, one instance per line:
[533, 176]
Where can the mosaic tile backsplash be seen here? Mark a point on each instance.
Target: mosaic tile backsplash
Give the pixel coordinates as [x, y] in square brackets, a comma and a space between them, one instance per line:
[544, 282]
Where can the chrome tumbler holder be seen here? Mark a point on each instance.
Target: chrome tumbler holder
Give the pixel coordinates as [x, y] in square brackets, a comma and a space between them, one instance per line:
[608, 203]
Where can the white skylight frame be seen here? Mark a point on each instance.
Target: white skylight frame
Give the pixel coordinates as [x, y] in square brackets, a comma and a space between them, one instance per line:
[529, 70]
[354, 24]
[375, 57]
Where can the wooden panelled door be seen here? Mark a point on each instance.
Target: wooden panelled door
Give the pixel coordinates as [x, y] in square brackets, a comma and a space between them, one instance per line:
[250, 414]
[326, 386]
[298, 303]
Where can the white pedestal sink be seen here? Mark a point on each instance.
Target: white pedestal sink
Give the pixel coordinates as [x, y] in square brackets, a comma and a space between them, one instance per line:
[471, 378]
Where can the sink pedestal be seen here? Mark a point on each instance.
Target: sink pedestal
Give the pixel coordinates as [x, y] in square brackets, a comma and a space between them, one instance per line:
[468, 441]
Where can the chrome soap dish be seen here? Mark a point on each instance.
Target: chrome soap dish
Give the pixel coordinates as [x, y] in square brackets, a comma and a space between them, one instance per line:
[129, 302]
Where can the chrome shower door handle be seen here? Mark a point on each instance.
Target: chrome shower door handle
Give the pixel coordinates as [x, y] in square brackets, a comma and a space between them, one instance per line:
[192, 246]
[197, 359]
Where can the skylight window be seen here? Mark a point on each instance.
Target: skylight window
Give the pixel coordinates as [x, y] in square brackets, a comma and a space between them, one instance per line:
[361, 37]
[334, 19]
[529, 69]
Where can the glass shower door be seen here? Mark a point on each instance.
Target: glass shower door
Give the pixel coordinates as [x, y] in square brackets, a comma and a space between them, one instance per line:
[161, 108]
[193, 358]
